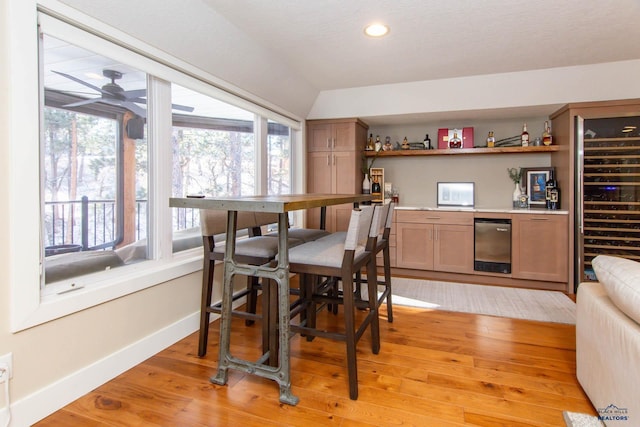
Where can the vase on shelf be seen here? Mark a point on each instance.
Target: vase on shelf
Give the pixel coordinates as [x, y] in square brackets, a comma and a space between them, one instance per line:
[516, 195]
[366, 186]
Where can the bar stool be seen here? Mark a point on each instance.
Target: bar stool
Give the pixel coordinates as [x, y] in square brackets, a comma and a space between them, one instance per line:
[382, 245]
[330, 257]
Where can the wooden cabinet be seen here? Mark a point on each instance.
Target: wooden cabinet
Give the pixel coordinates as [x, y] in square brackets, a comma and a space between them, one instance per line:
[539, 247]
[334, 160]
[435, 240]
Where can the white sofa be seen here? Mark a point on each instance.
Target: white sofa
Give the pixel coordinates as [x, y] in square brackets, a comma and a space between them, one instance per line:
[608, 340]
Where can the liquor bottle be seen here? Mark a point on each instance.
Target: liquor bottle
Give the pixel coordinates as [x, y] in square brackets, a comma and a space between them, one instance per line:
[378, 145]
[376, 190]
[547, 139]
[549, 186]
[455, 142]
[491, 140]
[427, 142]
[369, 146]
[524, 137]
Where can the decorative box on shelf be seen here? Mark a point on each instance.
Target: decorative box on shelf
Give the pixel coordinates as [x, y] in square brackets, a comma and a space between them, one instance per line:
[377, 174]
[464, 134]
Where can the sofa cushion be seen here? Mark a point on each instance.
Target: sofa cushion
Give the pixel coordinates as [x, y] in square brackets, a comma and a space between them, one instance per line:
[621, 279]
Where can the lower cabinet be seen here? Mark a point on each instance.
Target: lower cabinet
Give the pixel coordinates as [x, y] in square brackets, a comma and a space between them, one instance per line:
[539, 247]
[439, 241]
[443, 241]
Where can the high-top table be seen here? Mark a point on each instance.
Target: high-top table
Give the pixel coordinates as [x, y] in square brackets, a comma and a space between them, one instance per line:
[281, 205]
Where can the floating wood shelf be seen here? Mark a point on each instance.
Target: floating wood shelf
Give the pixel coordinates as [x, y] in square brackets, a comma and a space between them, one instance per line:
[459, 151]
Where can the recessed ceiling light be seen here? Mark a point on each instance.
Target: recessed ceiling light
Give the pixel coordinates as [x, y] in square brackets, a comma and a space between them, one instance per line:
[376, 30]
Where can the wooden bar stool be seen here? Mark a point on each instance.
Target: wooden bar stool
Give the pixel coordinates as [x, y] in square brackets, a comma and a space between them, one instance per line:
[330, 257]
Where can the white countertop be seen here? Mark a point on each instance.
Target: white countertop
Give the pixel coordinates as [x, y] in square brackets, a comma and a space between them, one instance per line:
[481, 209]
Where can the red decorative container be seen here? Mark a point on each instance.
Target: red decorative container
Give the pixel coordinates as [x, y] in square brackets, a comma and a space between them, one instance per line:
[444, 135]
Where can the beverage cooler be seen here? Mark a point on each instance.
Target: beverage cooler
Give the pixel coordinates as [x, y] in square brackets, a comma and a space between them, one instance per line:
[607, 193]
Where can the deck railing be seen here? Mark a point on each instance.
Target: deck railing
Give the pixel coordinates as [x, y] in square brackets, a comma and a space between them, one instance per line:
[84, 224]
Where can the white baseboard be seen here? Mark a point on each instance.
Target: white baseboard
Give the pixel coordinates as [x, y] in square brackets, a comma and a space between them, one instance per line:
[46, 401]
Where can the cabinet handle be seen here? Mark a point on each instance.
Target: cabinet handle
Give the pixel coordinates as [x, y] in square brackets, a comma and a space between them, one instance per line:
[328, 160]
[539, 219]
[433, 217]
[430, 234]
[334, 159]
[328, 142]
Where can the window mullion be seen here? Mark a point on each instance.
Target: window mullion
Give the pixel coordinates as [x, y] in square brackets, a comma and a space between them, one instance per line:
[160, 166]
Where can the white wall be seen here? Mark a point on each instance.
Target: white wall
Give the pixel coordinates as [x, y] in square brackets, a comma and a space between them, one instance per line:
[599, 82]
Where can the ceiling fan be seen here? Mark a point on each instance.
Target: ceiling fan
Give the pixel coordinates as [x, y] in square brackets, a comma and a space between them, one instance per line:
[113, 94]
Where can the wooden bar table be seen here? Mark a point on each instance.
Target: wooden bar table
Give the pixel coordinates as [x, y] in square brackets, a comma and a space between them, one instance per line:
[282, 205]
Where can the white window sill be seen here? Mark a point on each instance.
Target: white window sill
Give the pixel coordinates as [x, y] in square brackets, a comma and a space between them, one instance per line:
[64, 298]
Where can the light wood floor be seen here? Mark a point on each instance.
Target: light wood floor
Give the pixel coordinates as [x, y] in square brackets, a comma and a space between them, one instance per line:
[435, 368]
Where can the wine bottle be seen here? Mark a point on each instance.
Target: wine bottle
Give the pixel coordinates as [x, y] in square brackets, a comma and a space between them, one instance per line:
[376, 190]
[524, 137]
[549, 187]
[554, 202]
[491, 140]
[427, 142]
[455, 142]
[378, 145]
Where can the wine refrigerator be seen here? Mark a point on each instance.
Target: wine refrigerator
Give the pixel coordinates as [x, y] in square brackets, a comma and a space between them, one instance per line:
[607, 214]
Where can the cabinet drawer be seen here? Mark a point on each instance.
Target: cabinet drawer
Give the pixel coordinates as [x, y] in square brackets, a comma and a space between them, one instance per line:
[435, 217]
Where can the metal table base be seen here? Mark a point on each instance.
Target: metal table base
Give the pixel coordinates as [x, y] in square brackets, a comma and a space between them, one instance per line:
[281, 374]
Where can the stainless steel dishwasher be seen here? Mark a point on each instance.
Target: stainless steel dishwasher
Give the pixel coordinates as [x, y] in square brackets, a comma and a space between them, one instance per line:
[492, 245]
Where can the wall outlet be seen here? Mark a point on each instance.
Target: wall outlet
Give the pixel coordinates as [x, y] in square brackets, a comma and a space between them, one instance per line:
[7, 360]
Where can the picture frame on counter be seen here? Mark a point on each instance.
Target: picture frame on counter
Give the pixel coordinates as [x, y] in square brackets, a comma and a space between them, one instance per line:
[535, 180]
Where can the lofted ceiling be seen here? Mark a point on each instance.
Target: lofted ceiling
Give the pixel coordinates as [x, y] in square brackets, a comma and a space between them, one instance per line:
[435, 39]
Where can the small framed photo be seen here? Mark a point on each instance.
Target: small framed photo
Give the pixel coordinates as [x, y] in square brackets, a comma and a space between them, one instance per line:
[534, 183]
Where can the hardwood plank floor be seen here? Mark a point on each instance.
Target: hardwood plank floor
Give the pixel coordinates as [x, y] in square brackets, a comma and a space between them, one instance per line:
[435, 368]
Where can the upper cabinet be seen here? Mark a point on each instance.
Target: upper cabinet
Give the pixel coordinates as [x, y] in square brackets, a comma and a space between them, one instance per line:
[334, 166]
[335, 135]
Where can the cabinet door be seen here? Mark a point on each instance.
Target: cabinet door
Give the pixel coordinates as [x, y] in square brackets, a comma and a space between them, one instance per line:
[344, 173]
[320, 137]
[453, 248]
[344, 135]
[414, 246]
[319, 180]
[540, 245]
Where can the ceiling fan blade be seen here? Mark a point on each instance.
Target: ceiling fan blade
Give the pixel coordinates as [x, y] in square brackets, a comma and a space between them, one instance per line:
[136, 93]
[77, 80]
[181, 108]
[173, 106]
[125, 104]
[85, 102]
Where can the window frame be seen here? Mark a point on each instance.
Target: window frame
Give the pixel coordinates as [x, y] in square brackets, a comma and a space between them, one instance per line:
[29, 305]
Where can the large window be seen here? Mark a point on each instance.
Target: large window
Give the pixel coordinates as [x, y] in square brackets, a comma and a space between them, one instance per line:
[121, 133]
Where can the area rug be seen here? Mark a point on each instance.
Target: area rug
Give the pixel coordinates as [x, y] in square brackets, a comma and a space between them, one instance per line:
[545, 306]
[575, 419]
